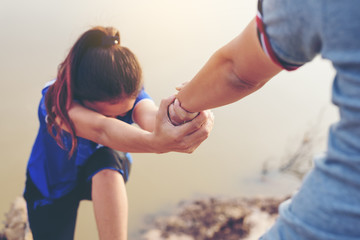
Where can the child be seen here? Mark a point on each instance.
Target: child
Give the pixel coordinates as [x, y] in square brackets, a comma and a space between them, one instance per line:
[84, 114]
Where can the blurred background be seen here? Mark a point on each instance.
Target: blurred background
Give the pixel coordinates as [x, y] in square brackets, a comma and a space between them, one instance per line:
[172, 39]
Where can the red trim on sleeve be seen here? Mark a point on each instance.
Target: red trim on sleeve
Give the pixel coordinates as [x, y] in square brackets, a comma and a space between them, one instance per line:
[266, 45]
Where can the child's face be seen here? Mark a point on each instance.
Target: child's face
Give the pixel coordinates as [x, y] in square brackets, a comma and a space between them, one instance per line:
[111, 109]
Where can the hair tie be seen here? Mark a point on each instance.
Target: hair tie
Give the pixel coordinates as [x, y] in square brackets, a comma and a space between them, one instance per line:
[108, 41]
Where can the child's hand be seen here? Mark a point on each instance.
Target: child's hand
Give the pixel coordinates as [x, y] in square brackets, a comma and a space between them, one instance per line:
[178, 115]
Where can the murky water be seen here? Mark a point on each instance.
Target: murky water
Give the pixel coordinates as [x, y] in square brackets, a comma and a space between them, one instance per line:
[172, 40]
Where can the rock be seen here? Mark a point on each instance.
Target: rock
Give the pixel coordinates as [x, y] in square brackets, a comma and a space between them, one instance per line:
[200, 219]
[217, 219]
[16, 224]
[156, 234]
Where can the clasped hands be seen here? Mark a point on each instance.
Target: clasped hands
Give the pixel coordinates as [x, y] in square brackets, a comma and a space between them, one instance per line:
[177, 114]
[180, 130]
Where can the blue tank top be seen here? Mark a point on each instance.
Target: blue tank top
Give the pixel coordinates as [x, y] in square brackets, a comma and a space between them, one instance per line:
[49, 166]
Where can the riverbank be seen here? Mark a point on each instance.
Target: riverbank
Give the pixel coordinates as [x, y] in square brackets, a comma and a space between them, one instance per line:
[200, 219]
[217, 219]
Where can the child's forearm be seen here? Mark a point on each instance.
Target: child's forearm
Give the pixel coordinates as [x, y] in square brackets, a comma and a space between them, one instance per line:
[109, 131]
[124, 137]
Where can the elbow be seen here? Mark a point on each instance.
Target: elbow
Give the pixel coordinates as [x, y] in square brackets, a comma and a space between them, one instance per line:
[240, 81]
[245, 84]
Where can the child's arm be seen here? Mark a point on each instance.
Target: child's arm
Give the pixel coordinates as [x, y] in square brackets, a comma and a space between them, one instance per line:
[233, 72]
[144, 114]
[127, 138]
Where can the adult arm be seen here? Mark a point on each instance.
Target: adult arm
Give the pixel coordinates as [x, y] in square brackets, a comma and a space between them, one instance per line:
[233, 72]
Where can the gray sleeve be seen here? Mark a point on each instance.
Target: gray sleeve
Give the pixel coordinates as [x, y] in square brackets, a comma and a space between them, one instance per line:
[293, 28]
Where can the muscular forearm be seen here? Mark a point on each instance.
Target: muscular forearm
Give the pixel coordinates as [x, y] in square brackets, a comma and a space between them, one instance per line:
[215, 85]
[233, 72]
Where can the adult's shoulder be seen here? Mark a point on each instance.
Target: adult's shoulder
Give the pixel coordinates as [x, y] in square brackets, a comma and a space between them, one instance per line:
[293, 28]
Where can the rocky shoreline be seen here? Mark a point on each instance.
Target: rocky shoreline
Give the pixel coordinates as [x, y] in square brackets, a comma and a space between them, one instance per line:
[16, 226]
[217, 219]
[200, 219]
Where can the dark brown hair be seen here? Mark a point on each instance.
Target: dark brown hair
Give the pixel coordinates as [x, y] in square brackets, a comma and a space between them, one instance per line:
[97, 68]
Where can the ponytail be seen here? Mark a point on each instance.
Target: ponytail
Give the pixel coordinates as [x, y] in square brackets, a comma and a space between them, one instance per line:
[97, 68]
[58, 101]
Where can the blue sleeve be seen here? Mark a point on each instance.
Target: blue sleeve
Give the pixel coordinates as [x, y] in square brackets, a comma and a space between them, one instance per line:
[128, 117]
[142, 95]
[42, 113]
[290, 30]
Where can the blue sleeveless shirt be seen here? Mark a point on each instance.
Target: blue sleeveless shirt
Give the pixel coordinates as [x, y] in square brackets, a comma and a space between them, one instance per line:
[49, 166]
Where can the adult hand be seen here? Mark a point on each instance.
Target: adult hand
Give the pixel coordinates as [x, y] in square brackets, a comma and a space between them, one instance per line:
[183, 138]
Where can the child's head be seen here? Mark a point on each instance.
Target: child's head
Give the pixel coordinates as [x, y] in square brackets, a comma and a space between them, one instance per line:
[101, 69]
[96, 70]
